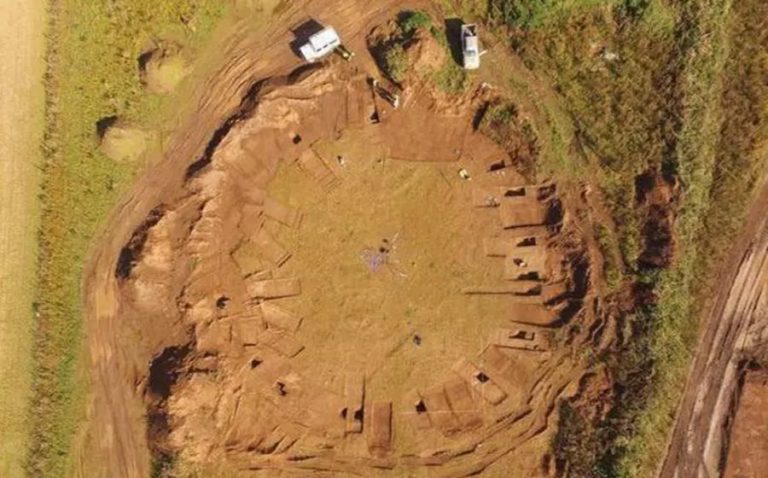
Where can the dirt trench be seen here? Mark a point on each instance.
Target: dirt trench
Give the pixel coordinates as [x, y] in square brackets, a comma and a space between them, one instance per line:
[201, 340]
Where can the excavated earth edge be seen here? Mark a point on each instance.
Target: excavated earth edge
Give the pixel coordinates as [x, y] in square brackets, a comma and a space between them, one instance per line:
[117, 424]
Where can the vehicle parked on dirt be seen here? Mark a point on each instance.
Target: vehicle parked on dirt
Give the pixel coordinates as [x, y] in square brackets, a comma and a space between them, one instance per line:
[320, 44]
[470, 47]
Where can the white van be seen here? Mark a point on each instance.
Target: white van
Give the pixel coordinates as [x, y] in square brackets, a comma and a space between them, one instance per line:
[320, 44]
[470, 47]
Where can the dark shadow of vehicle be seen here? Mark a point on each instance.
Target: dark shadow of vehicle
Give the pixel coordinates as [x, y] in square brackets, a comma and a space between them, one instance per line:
[453, 35]
[301, 34]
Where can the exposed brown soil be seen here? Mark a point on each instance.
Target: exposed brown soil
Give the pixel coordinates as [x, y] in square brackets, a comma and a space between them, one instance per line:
[297, 288]
[746, 456]
[656, 198]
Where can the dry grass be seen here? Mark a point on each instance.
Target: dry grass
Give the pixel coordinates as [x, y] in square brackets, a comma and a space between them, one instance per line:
[21, 127]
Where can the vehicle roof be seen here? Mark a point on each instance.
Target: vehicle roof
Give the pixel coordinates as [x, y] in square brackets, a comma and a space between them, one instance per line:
[471, 44]
[324, 37]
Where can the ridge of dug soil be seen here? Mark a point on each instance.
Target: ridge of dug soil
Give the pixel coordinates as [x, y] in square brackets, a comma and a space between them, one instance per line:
[228, 302]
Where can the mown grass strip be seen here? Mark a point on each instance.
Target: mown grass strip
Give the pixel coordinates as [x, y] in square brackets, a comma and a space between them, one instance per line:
[92, 74]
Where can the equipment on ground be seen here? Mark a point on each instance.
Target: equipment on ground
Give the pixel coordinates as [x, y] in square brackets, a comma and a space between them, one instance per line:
[391, 98]
[344, 52]
[470, 46]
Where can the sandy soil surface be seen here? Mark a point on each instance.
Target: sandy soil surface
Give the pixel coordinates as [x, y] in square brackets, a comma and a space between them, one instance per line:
[735, 323]
[750, 429]
[279, 295]
[22, 50]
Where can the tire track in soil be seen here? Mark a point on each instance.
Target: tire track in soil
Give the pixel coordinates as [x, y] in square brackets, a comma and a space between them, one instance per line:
[695, 447]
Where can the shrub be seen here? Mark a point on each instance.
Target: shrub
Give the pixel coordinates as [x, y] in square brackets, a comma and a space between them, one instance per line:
[451, 78]
[396, 62]
[410, 21]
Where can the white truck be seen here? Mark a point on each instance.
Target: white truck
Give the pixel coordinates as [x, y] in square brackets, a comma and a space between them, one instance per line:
[321, 44]
[470, 47]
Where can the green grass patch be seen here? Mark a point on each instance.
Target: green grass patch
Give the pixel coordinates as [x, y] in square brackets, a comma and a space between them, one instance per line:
[451, 78]
[620, 86]
[396, 62]
[612, 272]
[93, 73]
[410, 21]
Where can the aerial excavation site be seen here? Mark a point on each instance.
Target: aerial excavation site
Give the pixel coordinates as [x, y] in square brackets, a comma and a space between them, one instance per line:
[402, 238]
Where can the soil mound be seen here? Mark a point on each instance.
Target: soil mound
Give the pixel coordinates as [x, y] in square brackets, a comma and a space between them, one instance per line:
[123, 143]
[162, 69]
[425, 53]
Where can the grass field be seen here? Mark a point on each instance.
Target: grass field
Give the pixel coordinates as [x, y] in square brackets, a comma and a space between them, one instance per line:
[93, 74]
[22, 46]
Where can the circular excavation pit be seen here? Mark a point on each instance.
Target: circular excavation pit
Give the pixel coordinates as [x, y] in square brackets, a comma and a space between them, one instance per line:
[330, 295]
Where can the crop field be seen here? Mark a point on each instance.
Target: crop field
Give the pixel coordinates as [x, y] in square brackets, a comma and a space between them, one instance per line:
[22, 45]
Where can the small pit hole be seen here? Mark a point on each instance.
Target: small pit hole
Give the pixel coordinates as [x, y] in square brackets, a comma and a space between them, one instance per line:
[421, 407]
[222, 302]
[417, 339]
[481, 377]
[514, 192]
[530, 276]
[498, 166]
[297, 139]
[344, 412]
[255, 363]
[281, 389]
[358, 415]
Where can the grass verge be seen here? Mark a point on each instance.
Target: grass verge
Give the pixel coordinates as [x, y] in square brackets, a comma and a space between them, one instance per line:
[93, 48]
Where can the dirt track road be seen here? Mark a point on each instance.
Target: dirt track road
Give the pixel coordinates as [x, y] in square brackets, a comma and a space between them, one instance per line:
[22, 48]
[696, 446]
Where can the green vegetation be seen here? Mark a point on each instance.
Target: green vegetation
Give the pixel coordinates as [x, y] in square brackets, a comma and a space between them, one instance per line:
[409, 21]
[611, 268]
[451, 78]
[393, 57]
[92, 74]
[396, 62]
